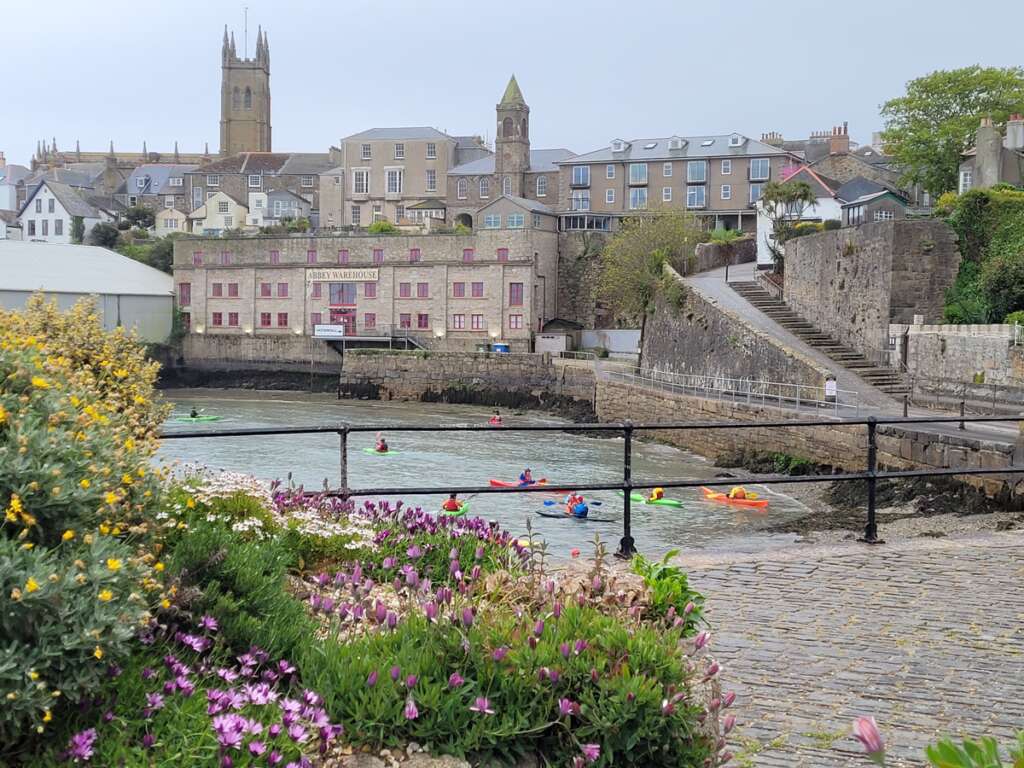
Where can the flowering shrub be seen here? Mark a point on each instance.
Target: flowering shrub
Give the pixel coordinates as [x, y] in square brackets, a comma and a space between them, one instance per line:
[671, 596]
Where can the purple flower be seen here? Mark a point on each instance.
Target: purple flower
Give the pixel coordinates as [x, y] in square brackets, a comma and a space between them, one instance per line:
[556, 611]
[482, 706]
[689, 608]
[567, 707]
[227, 762]
[227, 675]
[430, 610]
[80, 746]
[728, 723]
[147, 673]
[479, 554]
[108, 716]
[114, 671]
[554, 676]
[414, 552]
[591, 752]
[229, 730]
[148, 740]
[411, 713]
[274, 731]
[297, 733]
[208, 624]
[713, 670]
[565, 650]
[701, 640]
[867, 733]
[392, 620]
[580, 646]
[274, 758]
[154, 701]
[389, 563]
[538, 628]
[284, 667]
[455, 680]
[396, 672]
[467, 617]
[410, 681]
[380, 612]
[728, 699]
[595, 584]
[500, 653]
[371, 679]
[185, 686]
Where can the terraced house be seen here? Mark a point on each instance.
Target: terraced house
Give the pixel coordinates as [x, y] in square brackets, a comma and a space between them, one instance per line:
[719, 178]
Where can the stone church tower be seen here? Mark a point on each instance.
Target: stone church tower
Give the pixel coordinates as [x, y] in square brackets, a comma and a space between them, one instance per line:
[245, 98]
[512, 145]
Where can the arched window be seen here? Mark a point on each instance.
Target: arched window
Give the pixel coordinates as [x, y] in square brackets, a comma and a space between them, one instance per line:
[485, 187]
[248, 97]
[506, 185]
[236, 98]
[542, 186]
[523, 128]
[507, 128]
[462, 189]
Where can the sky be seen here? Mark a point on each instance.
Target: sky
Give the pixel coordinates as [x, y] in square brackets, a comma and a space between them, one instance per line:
[591, 70]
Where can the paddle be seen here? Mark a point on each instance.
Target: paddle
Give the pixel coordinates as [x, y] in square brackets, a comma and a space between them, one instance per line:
[551, 503]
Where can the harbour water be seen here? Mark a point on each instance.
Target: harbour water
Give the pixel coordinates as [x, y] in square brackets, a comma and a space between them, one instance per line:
[472, 458]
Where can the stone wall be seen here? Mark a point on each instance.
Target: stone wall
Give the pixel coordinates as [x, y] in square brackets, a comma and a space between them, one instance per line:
[579, 269]
[709, 256]
[293, 352]
[701, 338]
[840, 446]
[853, 282]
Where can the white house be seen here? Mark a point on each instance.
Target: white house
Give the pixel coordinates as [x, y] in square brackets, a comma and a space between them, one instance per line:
[51, 209]
[826, 206]
[220, 212]
[257, 209]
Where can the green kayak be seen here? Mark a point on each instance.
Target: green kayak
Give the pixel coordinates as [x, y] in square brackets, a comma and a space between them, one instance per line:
[641, 499]
[374, 452]
[196, 419]
[462, 510]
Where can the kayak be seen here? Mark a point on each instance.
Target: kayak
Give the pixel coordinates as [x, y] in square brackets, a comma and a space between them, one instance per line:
[493, 423]
[374, 452]
[517, 484]
[662, 502]
[463, 509]
[724, 499]
[196, 419]
[561, 516]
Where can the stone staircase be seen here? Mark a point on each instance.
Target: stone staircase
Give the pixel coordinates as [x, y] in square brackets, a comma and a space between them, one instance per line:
[886, 379]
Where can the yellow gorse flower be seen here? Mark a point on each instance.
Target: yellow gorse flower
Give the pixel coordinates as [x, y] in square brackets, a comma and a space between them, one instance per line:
[113, 564]
[47, 717]
[68, 535]
[106, 596]
[40, 383]
[110, 497]
[85, 483]
[31, 585]
[97, 652]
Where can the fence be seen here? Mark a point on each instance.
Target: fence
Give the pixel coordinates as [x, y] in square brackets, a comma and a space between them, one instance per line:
[938, 393]
[627, 548]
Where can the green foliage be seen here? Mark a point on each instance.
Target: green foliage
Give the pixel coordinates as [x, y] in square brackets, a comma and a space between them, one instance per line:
[436, 548]
[784, 464]
[783, 203]
[980, 753]
[1002, 281]
[382, 227]
[104, 235]
[461, 229]
[1015, 318]
[722, 236]
[934, 122]
[806, 228]
[670, 590]
[140, 216]
[77, 229]
[832, 224]
[672, 291]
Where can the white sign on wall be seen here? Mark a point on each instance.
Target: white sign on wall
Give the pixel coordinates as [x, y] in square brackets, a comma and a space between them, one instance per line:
[329, 331]
[350, 275]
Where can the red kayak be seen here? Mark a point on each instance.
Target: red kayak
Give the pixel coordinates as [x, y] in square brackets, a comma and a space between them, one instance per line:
[517, 484]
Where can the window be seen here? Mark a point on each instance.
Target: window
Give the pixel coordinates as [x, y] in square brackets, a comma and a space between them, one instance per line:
[609, 171]
[458, 290]
[735, 140]
[581, 176]
[378, 255]
[343, 256]
[422, 290]
[760, 169]
[360, 182]
[197, 258]
[726, 192]
[370, 320]
[468, 254]
[342, 294]
[217, 290]
[638, 198]
[58, 226]
[399, 151]
[414, 254]
[458, 322]
[275, 257]
[184, 294]
[317, 292]
[515, 221]
[222, 207]
[638, 173]
[536, 221]
[506, 185]
[476, 322]
[394, 181]
[492, 221]
[213, 180]
[609, 196]
[405, 320]
[515, 322]
[50, 205]
[282, 290]
[422, 321]
[39, 205]
[966, 180]
[168, 223]
[229, 222]
[264, 319]
[265, 291]
[880, 215]
[577, 223]
[666, 170]
[311, 256]
[542, 186]
[255, 181]
[477, 290]
[405, 290]
[217, 319]
[579, 200]
[503, 254]
[755, 192]
[175, 181]
[339, 178]
[726, 167]
[462, 189]
[282, 319]
[356, 214]
[315, 318]
[431, 180]
[366, 155]
[696, 171]
[431, 150]
[515, 294]
[168, 201]
[485, 187]
[225, 258]
[233, 319]
[696, 197]
[133, 200]
[666, 194]
[197, 197]
[369, 290]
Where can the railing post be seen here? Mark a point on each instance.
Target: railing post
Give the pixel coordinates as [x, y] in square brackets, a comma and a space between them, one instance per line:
[343, 467]
[871, 529]
[961, 415]
[906, 398]
[626, 548]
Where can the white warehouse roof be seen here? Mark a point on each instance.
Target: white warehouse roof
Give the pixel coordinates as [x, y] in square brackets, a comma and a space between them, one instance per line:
[82, 269]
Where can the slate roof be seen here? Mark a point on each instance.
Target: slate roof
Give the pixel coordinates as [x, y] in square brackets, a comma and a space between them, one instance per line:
[427, 205]
[541, 161]
[694, 148]
[157, 176]
[531, 205]
[10, 218]
[305, 163]
[398, 133]
[12, 173]
[71, 199]
[861, 190]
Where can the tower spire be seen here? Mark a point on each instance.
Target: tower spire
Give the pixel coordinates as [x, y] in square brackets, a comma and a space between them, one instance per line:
[176, 158]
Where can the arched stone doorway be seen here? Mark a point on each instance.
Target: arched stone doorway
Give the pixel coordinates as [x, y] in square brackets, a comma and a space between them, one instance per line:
[465, 220]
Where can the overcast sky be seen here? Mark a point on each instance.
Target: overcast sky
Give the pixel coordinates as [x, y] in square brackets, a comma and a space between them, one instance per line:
[591, 70]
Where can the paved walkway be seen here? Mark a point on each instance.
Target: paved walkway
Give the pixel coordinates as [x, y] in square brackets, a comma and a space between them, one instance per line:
[927, 636]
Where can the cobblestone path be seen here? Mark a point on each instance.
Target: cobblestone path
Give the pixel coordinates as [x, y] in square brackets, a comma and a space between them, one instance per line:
[927, 636]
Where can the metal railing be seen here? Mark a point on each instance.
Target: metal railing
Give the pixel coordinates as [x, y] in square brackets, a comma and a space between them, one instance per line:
[870, 476]
[796, 397]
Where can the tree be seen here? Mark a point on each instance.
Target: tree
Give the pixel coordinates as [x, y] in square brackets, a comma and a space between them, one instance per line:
[140, 216]
[77, 229]
[784, 204]
[726, 239]
[161, 255]
[933, 124]
[104, 235]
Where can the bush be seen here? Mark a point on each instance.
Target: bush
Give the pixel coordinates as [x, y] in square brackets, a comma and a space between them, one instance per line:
[671, 595]
[382, 227]
[832, 224]
[140, 217]
[104, 235]
[1015, 318]
[805, 228]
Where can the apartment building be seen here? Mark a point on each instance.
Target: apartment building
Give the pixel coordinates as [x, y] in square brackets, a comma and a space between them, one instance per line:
[719, 178]
[157, 186]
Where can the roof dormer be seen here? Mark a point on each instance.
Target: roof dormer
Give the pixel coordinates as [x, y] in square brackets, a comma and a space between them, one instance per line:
[676, 142]
[736, 140]
[618, 145]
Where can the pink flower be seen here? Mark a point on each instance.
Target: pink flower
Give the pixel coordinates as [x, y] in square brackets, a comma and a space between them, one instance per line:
[591, 752]
[482, 706]
[371, 679]
[455, 680]
[411, 713]
[500, 653]
[867, 733]
[728, 723]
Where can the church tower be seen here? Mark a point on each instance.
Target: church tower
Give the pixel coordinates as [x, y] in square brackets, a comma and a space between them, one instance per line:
[245, 97]
[512, 145]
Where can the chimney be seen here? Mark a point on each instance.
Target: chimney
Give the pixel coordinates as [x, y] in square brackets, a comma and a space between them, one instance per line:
[3, 162]
[839, 141]
[772, 138]
[1014, 132]
[988, 155]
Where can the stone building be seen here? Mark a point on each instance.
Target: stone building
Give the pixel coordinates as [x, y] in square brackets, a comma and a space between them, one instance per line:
[245, 97]
[994, 159]
[157, 186]
[445, 291]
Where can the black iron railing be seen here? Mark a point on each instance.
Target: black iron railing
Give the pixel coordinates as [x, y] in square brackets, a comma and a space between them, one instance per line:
[871, 475]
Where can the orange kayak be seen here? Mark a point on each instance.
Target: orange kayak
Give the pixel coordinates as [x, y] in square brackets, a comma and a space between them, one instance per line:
[724, 499]
[517, 484]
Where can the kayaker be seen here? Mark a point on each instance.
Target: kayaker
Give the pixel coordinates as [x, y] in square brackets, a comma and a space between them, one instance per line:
[495, 420]
[577, 507]
[193, 414]
[526, 477]
[738, 492]
[657, 494]
[452, 504]
[382, 444]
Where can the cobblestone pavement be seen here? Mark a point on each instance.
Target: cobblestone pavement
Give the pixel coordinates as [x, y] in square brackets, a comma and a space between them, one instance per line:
[927, 636]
